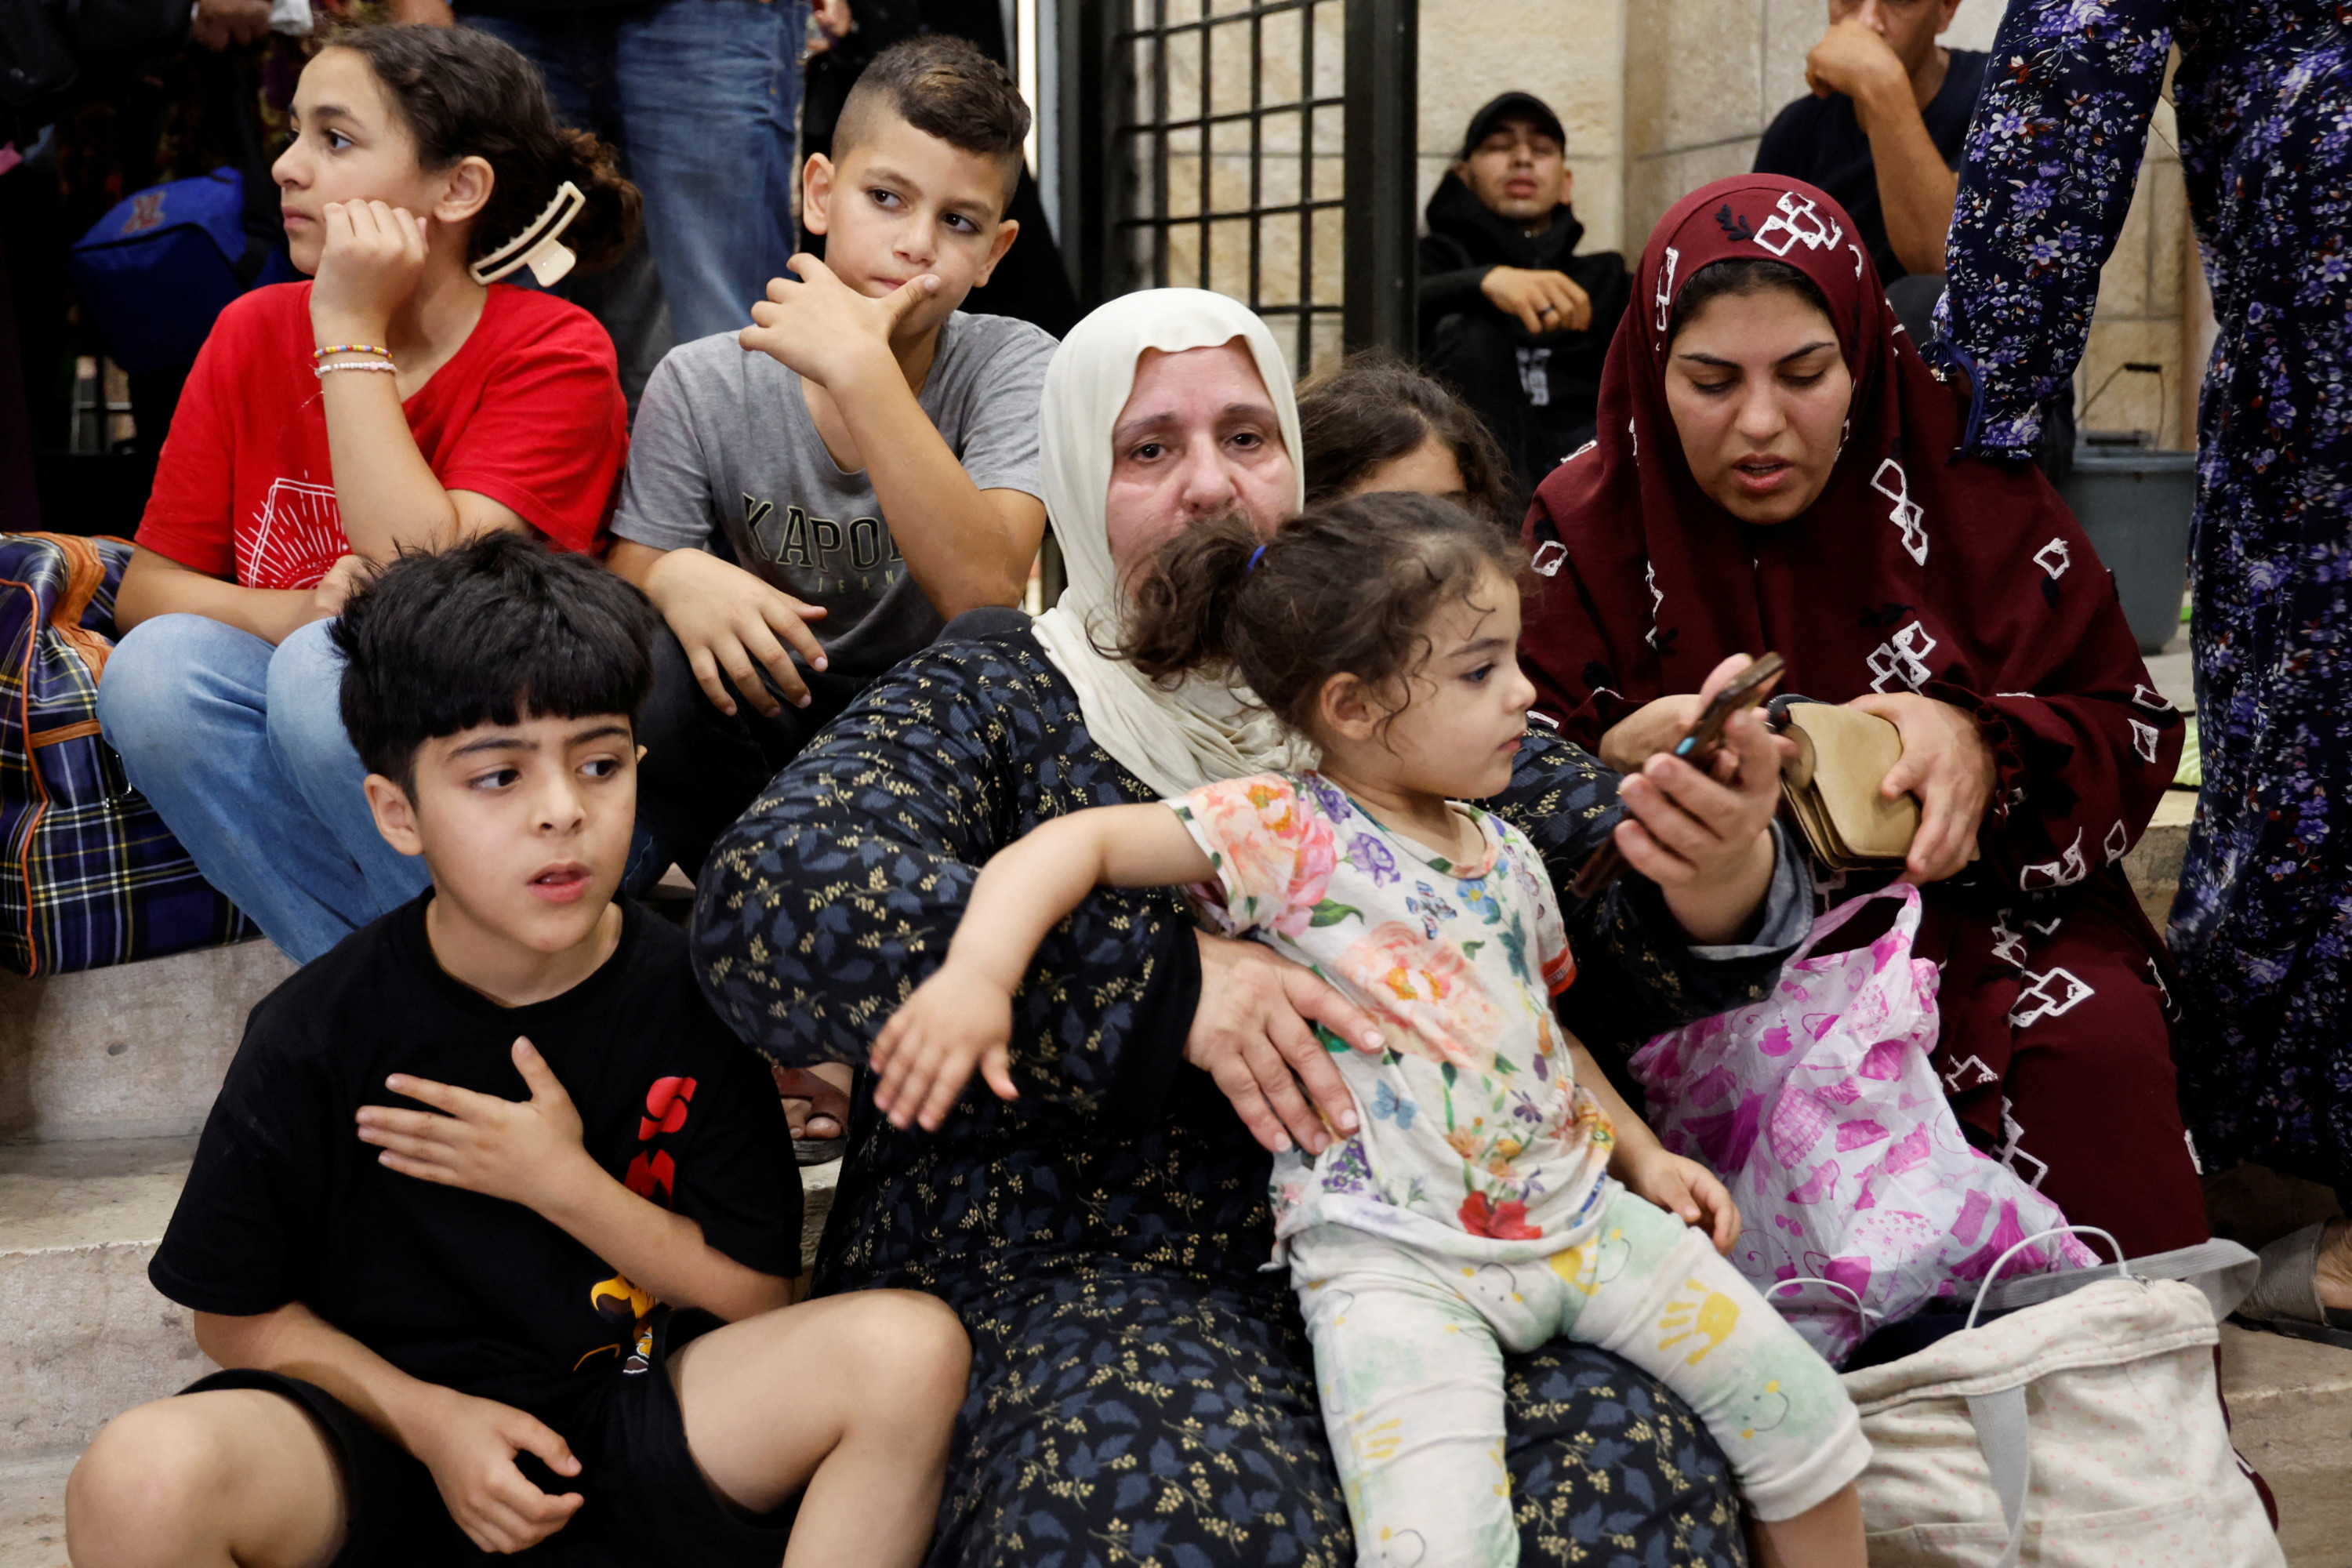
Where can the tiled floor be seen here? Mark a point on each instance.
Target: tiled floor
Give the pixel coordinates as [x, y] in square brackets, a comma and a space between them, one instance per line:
[2170, 671]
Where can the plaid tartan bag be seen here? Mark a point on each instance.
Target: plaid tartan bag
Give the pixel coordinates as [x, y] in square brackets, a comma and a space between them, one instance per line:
[88, 873]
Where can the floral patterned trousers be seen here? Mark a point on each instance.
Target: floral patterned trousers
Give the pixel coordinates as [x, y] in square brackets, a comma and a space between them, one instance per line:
[1121, 1416]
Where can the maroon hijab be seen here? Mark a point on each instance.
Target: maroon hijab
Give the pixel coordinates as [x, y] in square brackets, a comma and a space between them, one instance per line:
[1910, 571]
[1963, 581]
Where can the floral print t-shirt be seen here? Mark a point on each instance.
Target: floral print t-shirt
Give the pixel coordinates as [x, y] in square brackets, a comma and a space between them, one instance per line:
[1476, 1140]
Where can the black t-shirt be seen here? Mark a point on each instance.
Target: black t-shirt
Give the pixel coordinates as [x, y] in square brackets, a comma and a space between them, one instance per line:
[1821, 142]
[475, 1293]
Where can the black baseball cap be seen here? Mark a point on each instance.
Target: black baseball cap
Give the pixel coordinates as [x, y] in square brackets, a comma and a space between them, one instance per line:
[1512, 106]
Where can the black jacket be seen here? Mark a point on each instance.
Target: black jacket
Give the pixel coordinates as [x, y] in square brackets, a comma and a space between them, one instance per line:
[1466, 241]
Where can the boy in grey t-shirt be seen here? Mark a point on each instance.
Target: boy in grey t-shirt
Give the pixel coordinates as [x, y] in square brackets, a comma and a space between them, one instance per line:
[870, 463]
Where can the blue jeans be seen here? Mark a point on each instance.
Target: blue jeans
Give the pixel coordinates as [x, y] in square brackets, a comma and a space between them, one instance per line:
[699, 96]
[241, 747]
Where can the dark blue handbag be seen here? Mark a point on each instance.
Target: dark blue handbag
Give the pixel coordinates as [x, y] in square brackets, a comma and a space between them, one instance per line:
[154, 273]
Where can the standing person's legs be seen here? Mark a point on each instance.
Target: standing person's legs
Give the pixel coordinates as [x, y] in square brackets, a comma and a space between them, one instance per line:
[1411, 1380]
[2262, 930]
[573, 51]
[707, 90]
[314, 751]
[184, 701]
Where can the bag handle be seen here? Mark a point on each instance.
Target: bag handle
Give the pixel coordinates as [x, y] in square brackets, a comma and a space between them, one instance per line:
[85, 575]
[2007, 1443]
[1830, 923]
[1865, 1314]
[2003, 1432]
[2123, 1269]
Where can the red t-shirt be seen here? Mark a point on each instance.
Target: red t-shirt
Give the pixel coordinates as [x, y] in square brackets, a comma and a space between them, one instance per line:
[527, 411]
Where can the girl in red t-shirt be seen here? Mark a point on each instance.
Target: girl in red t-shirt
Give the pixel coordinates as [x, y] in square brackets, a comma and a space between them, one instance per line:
[403, 400]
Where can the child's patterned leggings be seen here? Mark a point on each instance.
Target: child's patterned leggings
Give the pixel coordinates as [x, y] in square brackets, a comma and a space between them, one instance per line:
[1409, 1354]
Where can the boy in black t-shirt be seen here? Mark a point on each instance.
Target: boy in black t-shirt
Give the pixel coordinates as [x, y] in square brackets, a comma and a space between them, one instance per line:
[458, 1322]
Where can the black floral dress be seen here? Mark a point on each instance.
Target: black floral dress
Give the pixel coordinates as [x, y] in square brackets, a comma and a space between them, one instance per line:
[2262, 930]
[1141, 1389]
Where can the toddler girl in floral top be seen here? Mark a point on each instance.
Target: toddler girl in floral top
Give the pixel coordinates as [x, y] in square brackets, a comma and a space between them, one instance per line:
[1499, 1193]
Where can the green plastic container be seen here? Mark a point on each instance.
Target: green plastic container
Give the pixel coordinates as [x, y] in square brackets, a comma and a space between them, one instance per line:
[2136, 506]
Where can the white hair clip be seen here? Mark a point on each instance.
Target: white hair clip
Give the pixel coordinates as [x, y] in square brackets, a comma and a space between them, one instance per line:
[538, 247]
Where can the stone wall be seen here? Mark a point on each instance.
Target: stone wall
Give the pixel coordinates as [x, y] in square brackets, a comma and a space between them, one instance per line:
[1299, 155]
[1659, 95]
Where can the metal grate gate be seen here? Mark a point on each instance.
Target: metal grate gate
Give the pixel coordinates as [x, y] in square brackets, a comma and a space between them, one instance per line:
[1264, 150]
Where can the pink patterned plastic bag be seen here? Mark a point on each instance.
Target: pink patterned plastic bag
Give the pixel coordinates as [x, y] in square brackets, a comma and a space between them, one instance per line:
[1818, 1110]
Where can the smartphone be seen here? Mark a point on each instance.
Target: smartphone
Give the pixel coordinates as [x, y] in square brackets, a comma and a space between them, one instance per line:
[1698, 745]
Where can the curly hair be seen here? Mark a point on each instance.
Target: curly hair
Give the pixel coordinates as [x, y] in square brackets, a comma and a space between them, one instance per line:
[465, 94]
[1345, 587]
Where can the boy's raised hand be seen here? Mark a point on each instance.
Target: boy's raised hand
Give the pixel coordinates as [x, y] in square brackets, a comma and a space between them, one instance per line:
[525, 1151]
[470, 1446]
[924, 1054]
[824, 329]
[373, 256]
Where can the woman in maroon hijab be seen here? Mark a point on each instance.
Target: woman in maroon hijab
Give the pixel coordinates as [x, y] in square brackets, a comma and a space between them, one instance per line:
[1776, 470]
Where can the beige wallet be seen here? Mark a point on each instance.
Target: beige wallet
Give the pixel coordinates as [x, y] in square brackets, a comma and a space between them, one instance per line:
[1831, 786]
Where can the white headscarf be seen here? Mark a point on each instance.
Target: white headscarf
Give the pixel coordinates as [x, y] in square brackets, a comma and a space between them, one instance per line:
[1205, 730]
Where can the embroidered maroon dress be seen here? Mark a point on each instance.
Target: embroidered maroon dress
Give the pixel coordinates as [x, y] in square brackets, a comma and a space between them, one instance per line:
[1966, 582]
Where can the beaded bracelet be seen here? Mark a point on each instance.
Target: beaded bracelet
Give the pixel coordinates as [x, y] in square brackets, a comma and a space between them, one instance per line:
[318, 354]
[386, 366]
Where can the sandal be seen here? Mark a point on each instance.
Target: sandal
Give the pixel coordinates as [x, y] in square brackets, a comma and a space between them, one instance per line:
[2285, 1299]
[822, 1151]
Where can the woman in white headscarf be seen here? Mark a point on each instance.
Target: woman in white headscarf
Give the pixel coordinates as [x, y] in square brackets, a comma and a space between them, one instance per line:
[1138, 1383]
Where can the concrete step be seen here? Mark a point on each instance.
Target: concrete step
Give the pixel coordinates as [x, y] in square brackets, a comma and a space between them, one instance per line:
[78, 1222]
[2154, 864]
[2291, 1404]
[89, 1336]
[2291, 1417]
[136, 1051]
[33, 1514]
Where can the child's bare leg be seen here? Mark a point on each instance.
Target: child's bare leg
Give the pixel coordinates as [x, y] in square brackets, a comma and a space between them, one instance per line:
[853, 1396]
[236, 1478]
[1826, 1535]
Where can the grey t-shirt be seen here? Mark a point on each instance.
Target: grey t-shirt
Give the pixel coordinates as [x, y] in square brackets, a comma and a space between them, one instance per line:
[724, 440]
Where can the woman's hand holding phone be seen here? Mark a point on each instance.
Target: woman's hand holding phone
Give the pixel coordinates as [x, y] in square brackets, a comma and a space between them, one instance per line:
[1698, 827]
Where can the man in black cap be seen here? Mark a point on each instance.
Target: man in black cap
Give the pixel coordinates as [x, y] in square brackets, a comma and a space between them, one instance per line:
[1510, 314]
